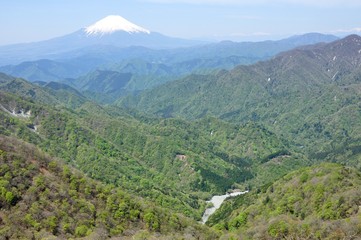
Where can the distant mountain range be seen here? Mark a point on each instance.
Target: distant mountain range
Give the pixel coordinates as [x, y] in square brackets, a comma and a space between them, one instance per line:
[110, 31]
[114, 45]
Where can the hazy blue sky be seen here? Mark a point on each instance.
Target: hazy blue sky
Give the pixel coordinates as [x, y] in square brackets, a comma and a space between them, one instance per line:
[25, 20]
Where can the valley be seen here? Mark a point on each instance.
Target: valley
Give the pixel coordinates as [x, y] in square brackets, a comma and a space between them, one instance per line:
[215, 203]
[125, 133]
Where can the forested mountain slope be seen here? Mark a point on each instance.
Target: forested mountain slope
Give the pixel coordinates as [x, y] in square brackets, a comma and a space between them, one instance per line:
[41, 197]
[176, 163]
[319, 202]
[310, 96]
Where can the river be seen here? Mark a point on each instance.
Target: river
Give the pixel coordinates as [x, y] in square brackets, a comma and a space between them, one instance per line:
[217, 202]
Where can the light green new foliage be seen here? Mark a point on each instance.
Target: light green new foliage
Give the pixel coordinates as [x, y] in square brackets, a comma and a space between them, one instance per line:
[322, 198]
[44, 197]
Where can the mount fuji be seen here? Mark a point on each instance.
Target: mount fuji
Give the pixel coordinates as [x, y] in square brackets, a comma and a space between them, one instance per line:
[114, 23]
[111, 31]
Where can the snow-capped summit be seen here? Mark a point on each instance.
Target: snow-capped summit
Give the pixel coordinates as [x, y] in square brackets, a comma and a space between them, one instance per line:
[112, 24]
[108, 33]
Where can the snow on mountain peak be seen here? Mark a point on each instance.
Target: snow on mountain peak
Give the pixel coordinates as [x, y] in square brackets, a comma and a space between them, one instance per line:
[112, 24]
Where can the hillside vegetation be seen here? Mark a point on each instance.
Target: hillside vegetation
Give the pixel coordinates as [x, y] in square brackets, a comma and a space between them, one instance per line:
[309, 96]
[176, 163]
[319, 202]
[41, 197]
